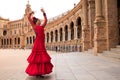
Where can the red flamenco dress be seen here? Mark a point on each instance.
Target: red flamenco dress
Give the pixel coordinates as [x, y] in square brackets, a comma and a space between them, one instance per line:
[39, 60]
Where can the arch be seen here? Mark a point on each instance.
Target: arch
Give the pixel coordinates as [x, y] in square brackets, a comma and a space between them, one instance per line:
[30, 40]
[27, 40]
[5, 32]
[2, 42]
[56, 35]
[72, 30]
[10, 41]
[66, 32]
[79, 28]
[33, 39]
[19, 40]
[47, 37]
[51, 36]
[7, 42]
[61, 34]
[15, 40]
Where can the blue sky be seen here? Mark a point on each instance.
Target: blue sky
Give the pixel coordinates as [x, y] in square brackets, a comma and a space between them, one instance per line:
[15, 9]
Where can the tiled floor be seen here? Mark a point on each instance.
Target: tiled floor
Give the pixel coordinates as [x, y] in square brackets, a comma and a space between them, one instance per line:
[67, 66]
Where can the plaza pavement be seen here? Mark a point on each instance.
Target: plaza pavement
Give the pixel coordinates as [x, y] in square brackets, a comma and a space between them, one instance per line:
[67, 66]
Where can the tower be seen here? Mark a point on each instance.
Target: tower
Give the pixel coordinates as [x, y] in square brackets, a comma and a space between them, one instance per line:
[26, 26]
[28, 8]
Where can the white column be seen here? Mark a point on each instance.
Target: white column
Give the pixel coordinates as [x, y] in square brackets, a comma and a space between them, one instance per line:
[58, 36]
[75, 32]
[63, 35]
[45, 37]
[49, 37]
[53, 36]
[69, 34]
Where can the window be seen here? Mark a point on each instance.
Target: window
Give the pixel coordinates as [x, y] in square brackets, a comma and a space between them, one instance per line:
[4, 32]
[10, 32]
[15, 31]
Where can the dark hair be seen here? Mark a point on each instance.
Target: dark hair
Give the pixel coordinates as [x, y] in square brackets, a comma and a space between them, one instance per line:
[35, 20]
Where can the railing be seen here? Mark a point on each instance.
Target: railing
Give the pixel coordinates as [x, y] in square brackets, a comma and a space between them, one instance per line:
[57, 17]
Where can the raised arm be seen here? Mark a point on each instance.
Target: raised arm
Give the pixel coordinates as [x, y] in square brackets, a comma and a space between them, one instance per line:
[30, 20]
[45, 18]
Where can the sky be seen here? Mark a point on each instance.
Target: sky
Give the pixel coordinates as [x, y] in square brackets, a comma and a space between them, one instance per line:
[15, 9]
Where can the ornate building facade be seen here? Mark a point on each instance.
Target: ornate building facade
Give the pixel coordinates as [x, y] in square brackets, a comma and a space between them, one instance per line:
[18, 33]
[91, 24]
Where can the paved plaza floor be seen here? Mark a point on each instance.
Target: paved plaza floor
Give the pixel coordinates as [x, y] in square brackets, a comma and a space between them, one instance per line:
[67, 66]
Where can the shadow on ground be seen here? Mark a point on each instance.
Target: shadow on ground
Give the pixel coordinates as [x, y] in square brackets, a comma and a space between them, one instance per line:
[38, 78]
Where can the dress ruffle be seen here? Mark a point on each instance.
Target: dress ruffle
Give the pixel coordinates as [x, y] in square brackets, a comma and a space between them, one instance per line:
[39, 63]
[39, 69]
[39, 57]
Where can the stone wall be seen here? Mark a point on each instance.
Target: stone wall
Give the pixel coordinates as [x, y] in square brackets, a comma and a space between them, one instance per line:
[111, 23]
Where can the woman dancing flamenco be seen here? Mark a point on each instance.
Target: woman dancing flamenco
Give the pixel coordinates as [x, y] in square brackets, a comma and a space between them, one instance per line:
[39, 60]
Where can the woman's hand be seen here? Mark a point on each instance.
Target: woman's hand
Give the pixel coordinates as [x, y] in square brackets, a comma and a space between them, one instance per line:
[31, 13]
[42, 10]
[45, 17]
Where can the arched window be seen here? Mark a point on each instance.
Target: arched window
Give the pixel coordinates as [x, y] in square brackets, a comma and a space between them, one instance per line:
[47, 37]
[7, 42]
[30, 40]
[66, 33]
[27, 40]
[10, 41]
[61, 34]
[18, 40]
[72, 30]
[51, 36]
[56, 35]
[15, 41]
[33, 38]
[2, 42]
[79, 28]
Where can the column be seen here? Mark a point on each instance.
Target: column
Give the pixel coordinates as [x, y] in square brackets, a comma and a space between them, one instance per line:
[45, 38]
[75, 32]
[58, 35]
[49, 37]
[100, 38]
[69, 34]
[17, 42]
[91, 21]
[22, 41]
[0, 43]
[63, 35]
[98, 7]
[13, 42]
[85, 29]
[53, 36]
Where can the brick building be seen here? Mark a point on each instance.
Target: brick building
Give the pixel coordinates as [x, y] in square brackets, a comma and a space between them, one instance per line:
[91, 24]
